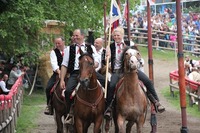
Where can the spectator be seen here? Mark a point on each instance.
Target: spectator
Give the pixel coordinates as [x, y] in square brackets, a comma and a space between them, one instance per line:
[14, 75]
[194, 76]
[3, 89]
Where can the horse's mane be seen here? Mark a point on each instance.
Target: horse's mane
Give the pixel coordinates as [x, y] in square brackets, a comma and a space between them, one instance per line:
[86, 54]
[123, 55]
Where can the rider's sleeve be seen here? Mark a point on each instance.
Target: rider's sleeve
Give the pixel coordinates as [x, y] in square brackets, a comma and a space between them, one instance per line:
[53, 60]
[132, 43]
[66, 57]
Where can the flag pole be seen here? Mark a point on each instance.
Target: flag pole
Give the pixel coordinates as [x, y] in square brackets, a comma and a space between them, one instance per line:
[107, 59]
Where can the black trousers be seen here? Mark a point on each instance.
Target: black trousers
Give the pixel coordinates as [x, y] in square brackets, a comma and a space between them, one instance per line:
[142, 76]
[50, 84]
[72, 83]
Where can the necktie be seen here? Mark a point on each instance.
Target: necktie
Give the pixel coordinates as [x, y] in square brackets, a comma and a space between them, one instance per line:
[79, 49]
[62, 53]
[119, 48]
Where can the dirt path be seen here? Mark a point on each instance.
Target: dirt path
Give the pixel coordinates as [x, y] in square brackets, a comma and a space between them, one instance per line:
[167, 122]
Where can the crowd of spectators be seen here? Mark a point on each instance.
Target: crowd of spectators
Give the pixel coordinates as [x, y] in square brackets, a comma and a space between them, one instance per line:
[10, 71]
[164, 23]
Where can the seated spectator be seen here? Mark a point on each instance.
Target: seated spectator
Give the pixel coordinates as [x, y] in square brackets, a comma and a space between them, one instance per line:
[13, 76]
[194, 76]
[172, 38]
[3, 89]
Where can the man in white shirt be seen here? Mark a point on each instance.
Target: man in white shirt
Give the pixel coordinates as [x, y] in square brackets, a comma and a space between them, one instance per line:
[3, 89]
[98, 44]
[56, 57]
[70, 65]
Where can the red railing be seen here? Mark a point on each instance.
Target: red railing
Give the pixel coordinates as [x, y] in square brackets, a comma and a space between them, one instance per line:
[10, 106]
[192, 87]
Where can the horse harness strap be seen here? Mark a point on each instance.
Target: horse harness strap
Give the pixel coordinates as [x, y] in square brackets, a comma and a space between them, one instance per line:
[56, 93]
[93, 105]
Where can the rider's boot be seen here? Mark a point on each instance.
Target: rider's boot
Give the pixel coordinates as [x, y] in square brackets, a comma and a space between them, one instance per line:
[49, 108]
[70, 117]
[158, 107]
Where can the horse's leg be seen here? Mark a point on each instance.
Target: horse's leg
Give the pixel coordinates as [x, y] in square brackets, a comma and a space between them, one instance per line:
[86, 126]
[107, 126]
[97, 124]
[59, 122]
[79, 125]
[120, 123]
[129, 126]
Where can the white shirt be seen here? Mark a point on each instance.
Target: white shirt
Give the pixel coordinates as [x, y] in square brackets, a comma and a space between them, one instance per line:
[141, 65]
[118, 61]
[99, 53]
[76, 63]
[53, 60]
[3, 86]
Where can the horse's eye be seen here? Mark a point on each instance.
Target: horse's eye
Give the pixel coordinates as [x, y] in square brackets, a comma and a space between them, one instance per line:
[91, 63]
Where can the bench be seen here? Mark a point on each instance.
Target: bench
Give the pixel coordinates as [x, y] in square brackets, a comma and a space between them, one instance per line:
[191, 87]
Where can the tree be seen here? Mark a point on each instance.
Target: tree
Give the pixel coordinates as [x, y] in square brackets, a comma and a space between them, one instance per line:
[23, 19]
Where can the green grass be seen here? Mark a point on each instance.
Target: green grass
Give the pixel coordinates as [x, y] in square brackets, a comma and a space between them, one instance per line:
[175, 102]
[30, 110]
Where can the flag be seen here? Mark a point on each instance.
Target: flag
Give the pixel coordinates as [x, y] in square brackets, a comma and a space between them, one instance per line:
[115, 13]
[125, 12]
[151, 2]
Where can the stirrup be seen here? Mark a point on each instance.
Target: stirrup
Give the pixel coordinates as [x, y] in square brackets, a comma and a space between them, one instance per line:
[69, 119]
[108, 114]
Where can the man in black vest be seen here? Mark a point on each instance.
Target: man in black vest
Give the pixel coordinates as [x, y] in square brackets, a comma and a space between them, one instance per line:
[56, 57]
[70, 65]
[115, 52]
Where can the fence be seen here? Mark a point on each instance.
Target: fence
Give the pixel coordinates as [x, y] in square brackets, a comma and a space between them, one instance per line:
[191, 44]
[191, 87]
[10, 106]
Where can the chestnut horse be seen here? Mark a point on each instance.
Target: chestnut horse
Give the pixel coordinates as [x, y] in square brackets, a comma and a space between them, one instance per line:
[59, 106]
[89, 103]
[131, 101]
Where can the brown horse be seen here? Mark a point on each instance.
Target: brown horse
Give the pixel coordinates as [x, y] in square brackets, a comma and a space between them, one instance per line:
[89, 103]
[59, 106]
[131, 101]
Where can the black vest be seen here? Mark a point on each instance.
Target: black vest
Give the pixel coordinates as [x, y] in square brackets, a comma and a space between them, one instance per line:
[103, 56]
[72, 55]
[113, 50]
[59, 57]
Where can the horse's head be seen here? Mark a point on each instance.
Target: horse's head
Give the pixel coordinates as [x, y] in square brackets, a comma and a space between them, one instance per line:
[86, 63]
[130, 60]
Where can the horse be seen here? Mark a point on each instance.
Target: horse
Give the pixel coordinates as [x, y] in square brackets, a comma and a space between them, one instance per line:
[89, 103]
[131, 101]
[59, 106]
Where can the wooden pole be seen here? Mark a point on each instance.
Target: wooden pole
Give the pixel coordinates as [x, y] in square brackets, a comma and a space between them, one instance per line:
[105, 24]
[181, 69]
[153, 121]
[128, 21]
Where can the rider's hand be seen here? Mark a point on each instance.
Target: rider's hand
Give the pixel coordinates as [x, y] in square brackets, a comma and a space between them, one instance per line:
[62, 85]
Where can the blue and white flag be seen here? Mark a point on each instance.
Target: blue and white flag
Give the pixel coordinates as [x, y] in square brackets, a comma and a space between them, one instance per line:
[115, 13]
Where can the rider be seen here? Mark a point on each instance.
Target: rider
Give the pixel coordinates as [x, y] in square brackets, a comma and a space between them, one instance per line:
[101, 51]
[70, 65]
[56, 57]
[115, 52]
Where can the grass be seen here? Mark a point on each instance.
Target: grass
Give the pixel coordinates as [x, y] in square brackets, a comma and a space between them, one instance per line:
[175, 102]
[30, 110]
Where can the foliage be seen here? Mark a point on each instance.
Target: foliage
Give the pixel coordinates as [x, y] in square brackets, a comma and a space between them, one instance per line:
[23, 19]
